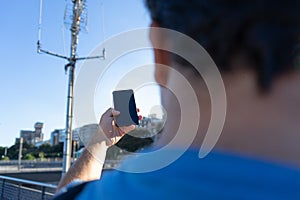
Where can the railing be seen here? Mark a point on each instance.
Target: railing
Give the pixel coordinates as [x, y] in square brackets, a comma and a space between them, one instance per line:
[14, 188]
[11, 166]
[30, 162]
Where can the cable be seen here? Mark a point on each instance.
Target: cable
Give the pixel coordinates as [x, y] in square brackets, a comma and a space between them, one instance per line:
[40, 20]
[63, 38]
[102, 21]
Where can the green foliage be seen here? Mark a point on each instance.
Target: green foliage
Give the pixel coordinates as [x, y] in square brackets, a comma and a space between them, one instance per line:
[5, 158]
[41, 155]
[42, 152]
[2, 149]
[46, 148]
[13, 152]
[29, 156]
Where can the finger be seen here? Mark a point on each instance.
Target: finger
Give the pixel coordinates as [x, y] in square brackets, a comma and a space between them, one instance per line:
[115, 113]
[126, 129]
[108, 113]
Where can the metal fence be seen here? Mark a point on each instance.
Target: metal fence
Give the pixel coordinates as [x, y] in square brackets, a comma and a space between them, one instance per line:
[14, 188]
[36, 163]
[13, 165]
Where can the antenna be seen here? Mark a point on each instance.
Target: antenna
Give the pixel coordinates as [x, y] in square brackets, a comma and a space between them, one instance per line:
[68, 15]
[75, 18]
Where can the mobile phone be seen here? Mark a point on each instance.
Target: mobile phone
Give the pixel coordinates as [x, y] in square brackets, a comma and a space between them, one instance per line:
[125, 103]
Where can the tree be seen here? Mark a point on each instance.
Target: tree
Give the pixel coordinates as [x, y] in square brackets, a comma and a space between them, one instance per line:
[29, 156]
[43, 151]
[41, 155]
[5, 158]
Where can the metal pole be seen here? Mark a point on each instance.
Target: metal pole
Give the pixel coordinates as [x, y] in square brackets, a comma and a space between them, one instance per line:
[5, 152]
[20, 153]
[43, 193]
[19, 191]
[77, 10]
[3, 188]
[69, 117]
[77, 19]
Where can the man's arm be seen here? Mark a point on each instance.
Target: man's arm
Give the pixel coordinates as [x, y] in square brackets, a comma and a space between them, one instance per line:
[87, 167]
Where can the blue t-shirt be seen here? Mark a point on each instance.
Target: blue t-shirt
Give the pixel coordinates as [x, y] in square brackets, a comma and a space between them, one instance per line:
[217, 176]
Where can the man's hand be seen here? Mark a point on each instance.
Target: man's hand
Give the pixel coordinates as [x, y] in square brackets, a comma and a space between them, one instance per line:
[108, 131]
[108, 126]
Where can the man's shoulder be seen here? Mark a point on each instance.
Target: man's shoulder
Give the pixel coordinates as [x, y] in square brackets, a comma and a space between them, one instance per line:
[218, 175]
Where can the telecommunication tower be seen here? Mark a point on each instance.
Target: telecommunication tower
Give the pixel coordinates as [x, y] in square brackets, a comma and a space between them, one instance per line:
[75, 18]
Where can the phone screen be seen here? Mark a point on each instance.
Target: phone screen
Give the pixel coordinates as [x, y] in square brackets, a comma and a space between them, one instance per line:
[125, 103]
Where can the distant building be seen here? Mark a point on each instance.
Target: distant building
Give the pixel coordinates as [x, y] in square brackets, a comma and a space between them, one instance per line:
[152, 123]
[28, 136]
[57, 136]
[78, 134]
[33, 137]
[75, 134]
[39, 136]
[145, 121]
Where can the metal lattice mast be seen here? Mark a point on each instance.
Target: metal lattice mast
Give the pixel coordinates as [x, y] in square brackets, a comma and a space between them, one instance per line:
[78, 9]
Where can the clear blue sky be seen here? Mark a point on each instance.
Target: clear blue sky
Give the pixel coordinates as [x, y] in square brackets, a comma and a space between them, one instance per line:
[33, 87]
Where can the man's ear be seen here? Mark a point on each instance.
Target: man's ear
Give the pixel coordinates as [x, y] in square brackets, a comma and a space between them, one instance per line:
[157, 40]
[160, 56]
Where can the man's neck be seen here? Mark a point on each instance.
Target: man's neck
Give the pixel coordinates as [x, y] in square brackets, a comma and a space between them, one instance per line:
[263, 126]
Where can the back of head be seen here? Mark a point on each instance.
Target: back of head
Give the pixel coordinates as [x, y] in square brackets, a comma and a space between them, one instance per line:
[264, 33]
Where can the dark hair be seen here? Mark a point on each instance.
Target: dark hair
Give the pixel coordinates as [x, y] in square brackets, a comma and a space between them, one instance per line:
[265, 31]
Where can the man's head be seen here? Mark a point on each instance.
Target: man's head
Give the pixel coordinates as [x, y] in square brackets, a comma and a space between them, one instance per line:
[262, 34]
[254, 44]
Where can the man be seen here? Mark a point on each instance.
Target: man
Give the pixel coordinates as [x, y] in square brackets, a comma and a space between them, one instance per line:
[254, 44]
